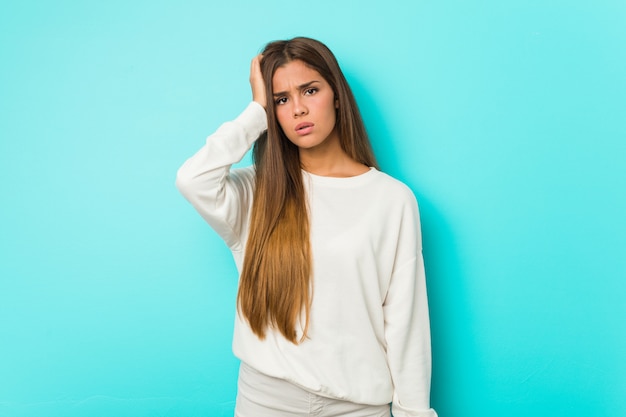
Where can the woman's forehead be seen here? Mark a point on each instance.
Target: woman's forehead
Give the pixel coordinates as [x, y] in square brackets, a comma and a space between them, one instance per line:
[293, 74]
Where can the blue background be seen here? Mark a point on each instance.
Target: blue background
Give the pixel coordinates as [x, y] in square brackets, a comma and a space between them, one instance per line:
[507, 119]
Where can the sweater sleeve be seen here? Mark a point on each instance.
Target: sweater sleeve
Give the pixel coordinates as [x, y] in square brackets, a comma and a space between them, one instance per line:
[407, 327]
[221, 196]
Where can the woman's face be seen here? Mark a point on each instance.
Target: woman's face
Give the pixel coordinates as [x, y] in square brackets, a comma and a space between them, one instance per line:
[305, 106]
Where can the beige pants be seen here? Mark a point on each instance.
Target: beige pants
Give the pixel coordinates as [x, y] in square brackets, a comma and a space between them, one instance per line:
[260, 395]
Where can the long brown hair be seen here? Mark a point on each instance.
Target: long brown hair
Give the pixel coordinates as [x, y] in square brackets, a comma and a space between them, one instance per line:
[275, 287]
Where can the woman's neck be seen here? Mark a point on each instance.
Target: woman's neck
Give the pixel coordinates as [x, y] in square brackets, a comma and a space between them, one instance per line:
[330, 162]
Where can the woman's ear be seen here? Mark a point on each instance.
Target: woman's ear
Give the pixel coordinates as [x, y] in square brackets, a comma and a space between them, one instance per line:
[337, 104]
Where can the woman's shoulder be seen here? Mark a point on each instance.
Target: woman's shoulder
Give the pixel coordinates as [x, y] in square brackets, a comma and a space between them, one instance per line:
[393, 185]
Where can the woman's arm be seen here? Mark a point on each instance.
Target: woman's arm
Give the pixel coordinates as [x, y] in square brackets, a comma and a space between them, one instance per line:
[220, 195]
[407, 327]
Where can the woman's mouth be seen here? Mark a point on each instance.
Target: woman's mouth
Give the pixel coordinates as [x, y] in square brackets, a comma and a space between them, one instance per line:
[304, 128]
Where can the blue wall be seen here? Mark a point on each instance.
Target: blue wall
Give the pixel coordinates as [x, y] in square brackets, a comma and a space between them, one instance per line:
[506, 118]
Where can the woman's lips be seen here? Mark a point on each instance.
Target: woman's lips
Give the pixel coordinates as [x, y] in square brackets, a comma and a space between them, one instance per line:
[304, 128]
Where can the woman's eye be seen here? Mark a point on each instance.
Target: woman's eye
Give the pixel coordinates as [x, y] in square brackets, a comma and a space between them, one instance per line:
[280, 100]
[310, 91]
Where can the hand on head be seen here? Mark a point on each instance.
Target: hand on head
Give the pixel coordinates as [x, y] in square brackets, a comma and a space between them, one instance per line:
[256, 81]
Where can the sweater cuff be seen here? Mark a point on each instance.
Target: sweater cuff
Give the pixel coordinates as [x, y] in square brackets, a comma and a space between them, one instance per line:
[408, 413]
[253, 119]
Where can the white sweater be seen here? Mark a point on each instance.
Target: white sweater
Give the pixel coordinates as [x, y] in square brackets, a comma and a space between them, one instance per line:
[369, 337]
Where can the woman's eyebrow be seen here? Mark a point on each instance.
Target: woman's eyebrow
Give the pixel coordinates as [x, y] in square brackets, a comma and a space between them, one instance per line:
[300, 87]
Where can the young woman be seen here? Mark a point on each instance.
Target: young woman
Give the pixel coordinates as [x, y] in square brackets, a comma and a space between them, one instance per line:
[332, 310]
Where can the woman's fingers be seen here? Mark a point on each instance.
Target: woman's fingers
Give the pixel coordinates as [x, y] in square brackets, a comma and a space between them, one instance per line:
[256, 81]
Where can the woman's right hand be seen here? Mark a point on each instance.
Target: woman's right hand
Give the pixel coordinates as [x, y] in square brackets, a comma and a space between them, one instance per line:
[256, 82]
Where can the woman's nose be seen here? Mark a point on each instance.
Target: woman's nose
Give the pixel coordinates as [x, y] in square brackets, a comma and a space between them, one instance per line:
[299, 109]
